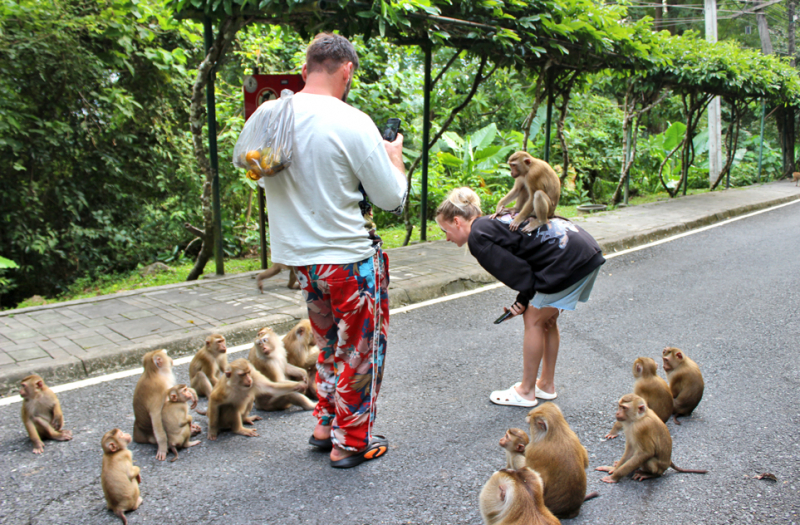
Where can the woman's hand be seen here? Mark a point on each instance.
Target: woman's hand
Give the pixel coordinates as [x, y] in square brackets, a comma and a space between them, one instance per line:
[515, 309]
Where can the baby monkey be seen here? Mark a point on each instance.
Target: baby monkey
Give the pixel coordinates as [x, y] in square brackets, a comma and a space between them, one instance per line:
[514, 442]
[176, 418]
[41, 413]
[120, 478]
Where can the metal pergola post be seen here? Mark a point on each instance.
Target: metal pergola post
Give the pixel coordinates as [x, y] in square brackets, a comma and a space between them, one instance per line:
[626, 158]
[761, 145]
[212, 150]
[426, 131]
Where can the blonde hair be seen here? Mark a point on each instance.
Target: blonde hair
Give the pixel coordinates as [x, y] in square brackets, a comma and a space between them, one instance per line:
[461, 202]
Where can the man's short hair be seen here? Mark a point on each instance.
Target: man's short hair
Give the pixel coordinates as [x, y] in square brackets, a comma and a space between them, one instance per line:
[329, 51]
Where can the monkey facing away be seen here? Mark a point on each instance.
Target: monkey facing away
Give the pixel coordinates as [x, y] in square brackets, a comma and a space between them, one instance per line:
[796, 178]
[208, 365]
[301, 351]
[685, 382]
[556, 453]
[148, 401]
[537, 190]
[120, 478]
[268, 356]
[515, 497]
[652, 388]
[177, 421]
[514, 442]
[648, 445]
[41, 413]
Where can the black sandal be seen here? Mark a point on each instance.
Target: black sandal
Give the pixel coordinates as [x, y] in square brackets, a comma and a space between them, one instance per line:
[324, 445]
[377, 448]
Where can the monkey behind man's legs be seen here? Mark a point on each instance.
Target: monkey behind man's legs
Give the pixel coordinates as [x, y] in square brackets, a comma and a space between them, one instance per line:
[275, 270]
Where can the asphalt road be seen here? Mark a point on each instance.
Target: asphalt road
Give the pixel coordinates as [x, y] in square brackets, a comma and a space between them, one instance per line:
[728, 297]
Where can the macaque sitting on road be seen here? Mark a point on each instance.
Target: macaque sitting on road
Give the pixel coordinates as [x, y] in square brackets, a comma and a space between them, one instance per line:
[654, 390]
[232, 399]
[515, 497]
[208, 365]
[648, 445]
[685, 382]
[556, 453]
[537, 190]
[177, 421]
[148, 401]
[302, 352]
[41, 413]
[268, 356]
[277, 268]
[120, 478]
[514, 442]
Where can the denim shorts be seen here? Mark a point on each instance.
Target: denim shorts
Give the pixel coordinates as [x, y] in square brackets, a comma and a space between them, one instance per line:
[568, 298]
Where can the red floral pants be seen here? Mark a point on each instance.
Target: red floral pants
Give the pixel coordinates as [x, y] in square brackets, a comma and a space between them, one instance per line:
[348, 306]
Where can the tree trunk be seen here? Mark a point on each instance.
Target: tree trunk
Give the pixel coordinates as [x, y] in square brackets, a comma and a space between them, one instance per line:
[560, 131]
[227, 33]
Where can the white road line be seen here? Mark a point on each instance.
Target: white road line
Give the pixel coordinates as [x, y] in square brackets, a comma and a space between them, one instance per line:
[240, 348]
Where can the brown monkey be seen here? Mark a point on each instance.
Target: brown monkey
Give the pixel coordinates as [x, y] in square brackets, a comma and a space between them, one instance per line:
[277, 268]
[148, 400]
[652, 388]
[514, 442]
[208, 364]
[537, 190]
[648, 445]
[177, 421]
[268, 356]
[301, 351]
[515, 497]
[685, 381]
[796, 178]
[231, 401]
[41, 413]
[119, 477]
[556, 453]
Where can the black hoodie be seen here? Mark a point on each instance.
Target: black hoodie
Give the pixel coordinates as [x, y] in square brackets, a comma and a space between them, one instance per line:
[548, 260]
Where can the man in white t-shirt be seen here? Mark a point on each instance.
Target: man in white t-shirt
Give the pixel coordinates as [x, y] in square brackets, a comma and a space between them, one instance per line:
[317, 227]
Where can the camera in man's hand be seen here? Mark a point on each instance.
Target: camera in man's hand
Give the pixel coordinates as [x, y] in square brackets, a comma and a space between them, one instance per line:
[391, 129]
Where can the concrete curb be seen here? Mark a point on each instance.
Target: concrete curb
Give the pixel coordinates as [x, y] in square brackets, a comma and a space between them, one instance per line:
[72, 369]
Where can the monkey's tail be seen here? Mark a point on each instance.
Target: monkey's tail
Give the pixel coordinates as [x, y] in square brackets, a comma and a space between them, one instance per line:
[687, 470]
[591, 495]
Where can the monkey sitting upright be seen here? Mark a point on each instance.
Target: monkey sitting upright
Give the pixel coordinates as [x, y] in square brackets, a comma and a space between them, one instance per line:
[176, 418]
[41, 413]
[654, 390]
[514, 442]
[685, 382]
[537, 190]
[120, 478]
[648, 445]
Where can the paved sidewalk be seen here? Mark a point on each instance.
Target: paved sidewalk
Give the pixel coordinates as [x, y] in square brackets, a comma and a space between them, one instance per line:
[78, 339]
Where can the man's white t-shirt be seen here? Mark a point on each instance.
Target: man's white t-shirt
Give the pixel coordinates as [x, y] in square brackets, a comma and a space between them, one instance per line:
[313, 209]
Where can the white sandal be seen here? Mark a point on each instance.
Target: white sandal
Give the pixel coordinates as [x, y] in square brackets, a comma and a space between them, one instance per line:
[541, 394]
[511, 398]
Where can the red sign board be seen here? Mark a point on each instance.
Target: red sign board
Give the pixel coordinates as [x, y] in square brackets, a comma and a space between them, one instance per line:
[260, 88]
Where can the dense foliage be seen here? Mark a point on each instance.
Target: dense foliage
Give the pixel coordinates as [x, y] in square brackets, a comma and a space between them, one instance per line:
[96, 150]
